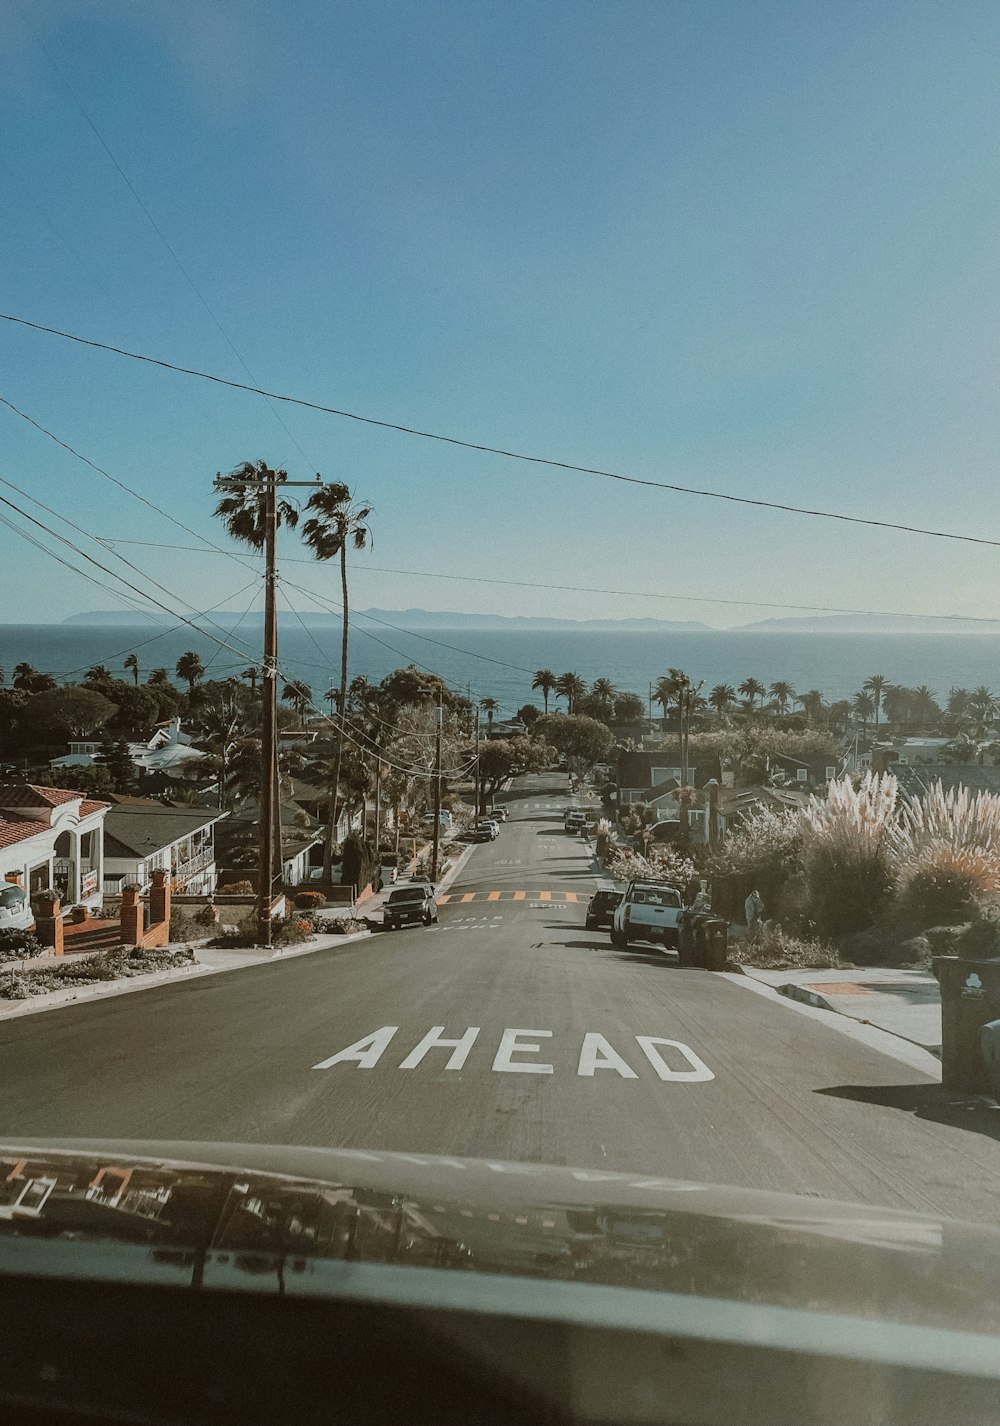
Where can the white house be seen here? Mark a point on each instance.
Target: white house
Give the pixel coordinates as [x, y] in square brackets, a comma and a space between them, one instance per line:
[51, 838]
[168, 750]
[142, 836]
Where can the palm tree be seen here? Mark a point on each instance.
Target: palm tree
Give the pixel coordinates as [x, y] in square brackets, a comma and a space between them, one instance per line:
[3, 676]
[722, 698]
[251, 674]
[925, 705]
[159, 678]
[489, 707]
[241, 508]
[336, 522]
[132, 662]
[190, 668]
[958, 703]
[544, 681]
[100, 673]
[332, 696]
[571, 687]
[603, 691]
[982, 709]
[863, 707]
[876, 684]
[24, 675]
[298, 694]
[783, 693]
[812, 704]
[752, 688]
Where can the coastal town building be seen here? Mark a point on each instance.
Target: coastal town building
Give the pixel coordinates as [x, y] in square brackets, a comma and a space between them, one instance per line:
[142, 836]
[51, 838]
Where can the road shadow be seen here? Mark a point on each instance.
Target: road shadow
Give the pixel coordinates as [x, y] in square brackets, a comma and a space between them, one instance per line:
[915, 992]
[927, 1101]
[640, 955]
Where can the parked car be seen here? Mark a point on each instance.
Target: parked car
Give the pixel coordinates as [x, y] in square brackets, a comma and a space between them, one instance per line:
[647, 912]
[490, 825]
[601, 908]
[388, 870]
[410, 905]
[444, 820]
[574, 820]
[500, 811]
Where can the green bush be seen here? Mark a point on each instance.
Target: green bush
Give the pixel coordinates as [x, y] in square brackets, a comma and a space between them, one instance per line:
[16, 945]
[775, 949]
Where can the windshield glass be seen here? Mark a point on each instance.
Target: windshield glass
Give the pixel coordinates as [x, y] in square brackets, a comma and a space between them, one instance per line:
[467, 458]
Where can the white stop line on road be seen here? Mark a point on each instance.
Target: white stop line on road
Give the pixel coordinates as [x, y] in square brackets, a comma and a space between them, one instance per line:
[519, 1051]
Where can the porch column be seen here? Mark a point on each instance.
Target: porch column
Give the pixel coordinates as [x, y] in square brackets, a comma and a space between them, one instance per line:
[74, 867]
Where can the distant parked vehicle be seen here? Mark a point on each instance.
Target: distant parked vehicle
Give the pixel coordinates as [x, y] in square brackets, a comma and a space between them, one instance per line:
[501, 811]
[388, 870]
[411, 905]
[574, 820]
[648, 911]
[601, 908]
[489, 825]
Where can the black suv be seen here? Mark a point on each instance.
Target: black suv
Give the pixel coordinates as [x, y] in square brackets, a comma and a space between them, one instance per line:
[409, 906]
[601, 908]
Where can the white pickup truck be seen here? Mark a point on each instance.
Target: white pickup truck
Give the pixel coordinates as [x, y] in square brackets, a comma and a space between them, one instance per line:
[647, 912]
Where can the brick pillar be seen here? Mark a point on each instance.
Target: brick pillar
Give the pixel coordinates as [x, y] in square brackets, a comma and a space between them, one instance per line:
[159, 899]
[131, 917]
[49, 924]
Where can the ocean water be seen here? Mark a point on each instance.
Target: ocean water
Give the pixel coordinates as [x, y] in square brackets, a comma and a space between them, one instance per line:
[500, 663]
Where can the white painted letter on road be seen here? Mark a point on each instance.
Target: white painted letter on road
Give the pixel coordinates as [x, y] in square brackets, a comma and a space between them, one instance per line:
[597, 1053]
[366, 1052]
[432, 1040]
[698, 1072]
[503, 1064]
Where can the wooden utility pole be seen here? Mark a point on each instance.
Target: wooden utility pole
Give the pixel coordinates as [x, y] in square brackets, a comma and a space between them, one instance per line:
[269, 806]
[378, 795]
[436, 845]
[478, 778]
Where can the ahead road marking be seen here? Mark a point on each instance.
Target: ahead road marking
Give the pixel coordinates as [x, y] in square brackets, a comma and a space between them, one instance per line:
[672, 1061]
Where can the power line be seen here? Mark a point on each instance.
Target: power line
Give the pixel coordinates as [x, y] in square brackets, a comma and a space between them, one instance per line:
[522, 456]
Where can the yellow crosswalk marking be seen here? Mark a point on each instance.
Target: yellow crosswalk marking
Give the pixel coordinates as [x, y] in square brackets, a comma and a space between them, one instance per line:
[520, 895]
[493, 896]
[570, 895]
[469, 896]
[545, 896]
[443, 900]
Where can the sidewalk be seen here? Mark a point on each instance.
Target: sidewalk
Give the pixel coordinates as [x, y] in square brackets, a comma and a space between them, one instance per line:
[906, 1003]
[211, 960]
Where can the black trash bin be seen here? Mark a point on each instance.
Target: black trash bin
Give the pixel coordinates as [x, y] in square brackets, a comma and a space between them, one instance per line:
[685, 938]
[699, 955]
[970, 999]
[716, 933]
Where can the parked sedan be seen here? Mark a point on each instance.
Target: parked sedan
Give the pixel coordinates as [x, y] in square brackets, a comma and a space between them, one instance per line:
[412, 905]
[601, 908]
[487, 824]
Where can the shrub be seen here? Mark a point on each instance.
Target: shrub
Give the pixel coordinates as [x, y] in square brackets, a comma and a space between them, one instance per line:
[774, 949]
[341, 926]
[206, 915]
[238, 888]
[846, 854]
[945, 884]
[765, 847]
[660, 863]
[18, 945]
[309, 900]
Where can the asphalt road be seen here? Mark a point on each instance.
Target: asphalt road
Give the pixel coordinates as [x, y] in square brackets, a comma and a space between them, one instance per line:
[568, 1052]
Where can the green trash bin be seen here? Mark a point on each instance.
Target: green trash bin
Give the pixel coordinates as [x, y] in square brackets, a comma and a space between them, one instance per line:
[970, 999]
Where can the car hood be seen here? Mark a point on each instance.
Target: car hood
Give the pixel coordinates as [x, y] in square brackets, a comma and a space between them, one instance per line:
[288, 1219]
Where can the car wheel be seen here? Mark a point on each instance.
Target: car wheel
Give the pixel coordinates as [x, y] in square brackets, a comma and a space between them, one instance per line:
[590, 924]
[618, 939]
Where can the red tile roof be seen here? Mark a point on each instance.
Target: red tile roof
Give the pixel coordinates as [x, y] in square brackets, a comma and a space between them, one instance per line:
[18, 829]
[90, 805]
[29, 794]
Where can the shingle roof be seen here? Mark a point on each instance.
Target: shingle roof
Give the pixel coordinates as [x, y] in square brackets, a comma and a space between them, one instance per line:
[918, 779]
[29, 794]
[140, 831]
[18, 829]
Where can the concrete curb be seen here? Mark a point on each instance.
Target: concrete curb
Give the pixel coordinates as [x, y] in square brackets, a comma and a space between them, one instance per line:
[791, 991]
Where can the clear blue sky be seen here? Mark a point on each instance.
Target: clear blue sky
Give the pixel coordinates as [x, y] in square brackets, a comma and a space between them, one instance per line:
[750, 246]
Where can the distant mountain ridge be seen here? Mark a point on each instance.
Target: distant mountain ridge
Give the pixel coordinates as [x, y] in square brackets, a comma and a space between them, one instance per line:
[420, 619]
[404, 618]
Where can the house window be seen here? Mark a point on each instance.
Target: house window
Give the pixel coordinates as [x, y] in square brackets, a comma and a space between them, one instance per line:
[801, 774]
[831, 773]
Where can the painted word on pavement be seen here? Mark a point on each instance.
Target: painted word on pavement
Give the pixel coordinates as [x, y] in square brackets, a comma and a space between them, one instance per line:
[522, 1052]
